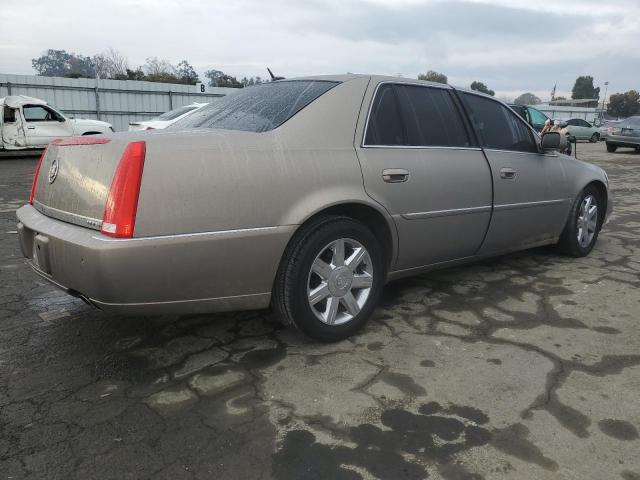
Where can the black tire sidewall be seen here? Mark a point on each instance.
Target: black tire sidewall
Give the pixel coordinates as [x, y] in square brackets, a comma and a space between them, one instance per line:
[302, 315]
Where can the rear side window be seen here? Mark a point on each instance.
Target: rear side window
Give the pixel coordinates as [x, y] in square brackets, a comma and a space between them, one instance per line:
[430, 117]
[499, 127]
[257, 109]
[385, 126]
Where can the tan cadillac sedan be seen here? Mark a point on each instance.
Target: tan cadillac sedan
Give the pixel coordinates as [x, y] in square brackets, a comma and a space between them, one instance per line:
[306, 195]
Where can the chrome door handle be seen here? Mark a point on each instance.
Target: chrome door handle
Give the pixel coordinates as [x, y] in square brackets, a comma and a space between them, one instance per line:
[31, 128]
[507, 173]
[395, 175]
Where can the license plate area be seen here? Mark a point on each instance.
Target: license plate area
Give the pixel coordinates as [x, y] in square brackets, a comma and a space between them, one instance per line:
[627, 131]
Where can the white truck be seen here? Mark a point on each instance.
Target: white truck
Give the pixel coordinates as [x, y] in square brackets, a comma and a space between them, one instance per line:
[28, 123]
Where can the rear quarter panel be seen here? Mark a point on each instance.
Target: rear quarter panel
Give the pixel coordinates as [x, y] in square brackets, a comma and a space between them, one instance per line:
[212, 180]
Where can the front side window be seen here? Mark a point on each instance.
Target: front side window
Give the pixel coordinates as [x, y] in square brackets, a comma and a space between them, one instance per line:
[573, 122]
[499, 127]
[257, 109]
[537, 117]
[430, 117]
[35, 113]
[38, 113]
[584, 123]
[384, 126]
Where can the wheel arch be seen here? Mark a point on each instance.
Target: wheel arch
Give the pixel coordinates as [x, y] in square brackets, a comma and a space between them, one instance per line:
[379, 222]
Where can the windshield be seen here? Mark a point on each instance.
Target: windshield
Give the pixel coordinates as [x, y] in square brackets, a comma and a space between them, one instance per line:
[259, 108]
[176, 112]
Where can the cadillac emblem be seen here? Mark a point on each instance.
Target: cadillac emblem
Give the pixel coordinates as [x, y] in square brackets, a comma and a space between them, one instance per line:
[53, 170]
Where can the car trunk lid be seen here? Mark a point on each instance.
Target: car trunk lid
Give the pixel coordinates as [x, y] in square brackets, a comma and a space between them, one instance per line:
[74, 178]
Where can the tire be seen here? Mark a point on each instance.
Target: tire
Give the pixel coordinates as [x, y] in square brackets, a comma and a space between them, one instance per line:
[611, 148]
[571, 242]
[311, 263]
[594, 138]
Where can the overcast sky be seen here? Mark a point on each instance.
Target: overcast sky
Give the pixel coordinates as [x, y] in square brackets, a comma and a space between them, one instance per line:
[511, 45]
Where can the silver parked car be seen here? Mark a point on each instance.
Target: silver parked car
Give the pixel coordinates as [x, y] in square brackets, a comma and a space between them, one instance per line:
[582, 130]
[625, 133]
[306, 195]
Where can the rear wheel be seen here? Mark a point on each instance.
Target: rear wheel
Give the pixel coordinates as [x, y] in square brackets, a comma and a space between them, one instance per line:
[611, 148]
[594, 138]
[582, 228]
[330, 279]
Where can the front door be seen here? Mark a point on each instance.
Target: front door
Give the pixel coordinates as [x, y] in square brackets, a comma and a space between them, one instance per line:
[419, 162]
[12, 133]
[43, 124]
[530, 204]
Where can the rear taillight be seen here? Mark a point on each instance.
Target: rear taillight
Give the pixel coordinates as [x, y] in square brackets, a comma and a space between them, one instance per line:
[35, 176]
[122, 203]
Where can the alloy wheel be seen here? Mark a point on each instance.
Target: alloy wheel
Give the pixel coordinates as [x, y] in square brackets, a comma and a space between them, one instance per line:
[587, 222]
[340, 281]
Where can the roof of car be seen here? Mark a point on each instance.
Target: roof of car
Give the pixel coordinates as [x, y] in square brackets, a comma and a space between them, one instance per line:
[15, 101]
[376, 78]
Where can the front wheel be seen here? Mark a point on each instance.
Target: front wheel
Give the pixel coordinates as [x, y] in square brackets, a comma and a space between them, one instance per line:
[611, 148]
[582, 228]
[594, 138]
[330, 279]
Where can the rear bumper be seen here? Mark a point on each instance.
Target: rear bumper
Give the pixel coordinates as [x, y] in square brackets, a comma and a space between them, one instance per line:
[189, 273]
[620, 141]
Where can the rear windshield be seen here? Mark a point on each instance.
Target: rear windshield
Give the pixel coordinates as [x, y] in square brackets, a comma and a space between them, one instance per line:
[176, 112]
[257, 109]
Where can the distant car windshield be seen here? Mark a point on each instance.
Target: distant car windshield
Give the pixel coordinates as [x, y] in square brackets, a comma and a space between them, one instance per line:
[176, 112]
[257, 109]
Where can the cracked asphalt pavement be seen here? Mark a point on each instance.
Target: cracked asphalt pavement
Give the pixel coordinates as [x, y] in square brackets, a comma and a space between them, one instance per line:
[525, 366]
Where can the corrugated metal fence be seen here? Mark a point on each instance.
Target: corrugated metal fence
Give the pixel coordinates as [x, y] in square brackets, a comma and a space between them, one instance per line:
[115, 101]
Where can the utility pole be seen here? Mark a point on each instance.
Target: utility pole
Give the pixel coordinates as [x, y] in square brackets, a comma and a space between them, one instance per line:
[604, 99]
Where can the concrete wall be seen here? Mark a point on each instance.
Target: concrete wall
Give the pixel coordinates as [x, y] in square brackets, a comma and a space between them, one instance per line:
[115, 101]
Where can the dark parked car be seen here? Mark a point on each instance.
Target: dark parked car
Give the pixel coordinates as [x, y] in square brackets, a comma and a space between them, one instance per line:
[533, 116]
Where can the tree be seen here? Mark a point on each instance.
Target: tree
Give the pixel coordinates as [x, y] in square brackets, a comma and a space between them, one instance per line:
[186, 73]
[624, 104]
[159, 70]
[221, 79]
[110, 64]
[129, 74]
[58, 63]
[527, 98]
[433, 76]
[481, 87]
[583, 88]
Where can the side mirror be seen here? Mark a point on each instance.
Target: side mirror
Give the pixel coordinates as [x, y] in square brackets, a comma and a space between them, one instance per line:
[550, 141]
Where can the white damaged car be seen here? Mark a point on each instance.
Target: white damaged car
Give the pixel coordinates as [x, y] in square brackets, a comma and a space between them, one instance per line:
[28, 122]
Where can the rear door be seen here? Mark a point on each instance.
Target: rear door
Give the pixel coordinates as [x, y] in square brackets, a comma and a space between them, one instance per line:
[529, 187]
[43, 124]
[419, 161]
